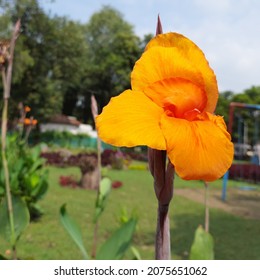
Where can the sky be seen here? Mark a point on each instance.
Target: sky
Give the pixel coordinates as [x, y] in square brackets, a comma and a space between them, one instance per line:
[228, 31]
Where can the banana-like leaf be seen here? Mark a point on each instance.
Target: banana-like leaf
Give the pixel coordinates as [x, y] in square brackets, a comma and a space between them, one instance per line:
[73, 230]
[203, 245]
[21, 218]
[116, 246]
[104, 191]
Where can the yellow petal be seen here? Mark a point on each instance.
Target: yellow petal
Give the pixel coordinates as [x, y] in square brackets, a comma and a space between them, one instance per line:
[199, 150]
[192, 53]
[131, 119]
[177, 95]
[159, 63]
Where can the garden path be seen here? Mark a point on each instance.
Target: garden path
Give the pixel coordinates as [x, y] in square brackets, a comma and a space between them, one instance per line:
[243, 203]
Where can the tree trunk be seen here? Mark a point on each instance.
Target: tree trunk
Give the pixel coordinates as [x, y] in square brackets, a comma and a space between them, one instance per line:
[89, 180]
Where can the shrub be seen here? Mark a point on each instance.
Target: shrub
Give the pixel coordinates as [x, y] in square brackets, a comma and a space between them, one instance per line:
[28, 178]
[117, 184]
[65, 139]
[248, 172]
[68, 181]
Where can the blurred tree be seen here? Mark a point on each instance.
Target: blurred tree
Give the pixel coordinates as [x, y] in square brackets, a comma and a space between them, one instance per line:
[250, 121]
[113, 50]
[50, 58]
[224, 100]
[145, 40]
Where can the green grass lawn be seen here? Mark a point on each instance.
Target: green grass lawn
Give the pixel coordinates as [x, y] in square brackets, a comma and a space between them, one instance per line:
[235, 237]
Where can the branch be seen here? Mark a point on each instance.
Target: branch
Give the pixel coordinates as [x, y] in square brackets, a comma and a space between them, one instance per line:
[7, 82]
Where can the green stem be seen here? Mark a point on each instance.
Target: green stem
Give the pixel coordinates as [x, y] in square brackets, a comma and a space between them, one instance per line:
[94, 110]
[7, 77]
[206, 207]
[6, 176]
[95, 235]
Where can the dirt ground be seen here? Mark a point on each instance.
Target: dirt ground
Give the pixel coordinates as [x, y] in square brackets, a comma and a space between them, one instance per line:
[243, 203]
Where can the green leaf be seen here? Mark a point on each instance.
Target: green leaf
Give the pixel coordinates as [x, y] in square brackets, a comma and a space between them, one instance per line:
[21, 218]
[116, 246]
[2, 258]
[104, 191]
[73, 229]
[105, 187]
[35, 152]
[40, 190]
[34, 180]
[203, 245]
[2, 190]
[37, 164]
[136, 253]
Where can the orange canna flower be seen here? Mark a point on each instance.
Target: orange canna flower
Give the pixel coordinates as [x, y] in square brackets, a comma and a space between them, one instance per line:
[30, 121]
[170, 107]
[27, 109]
[27, 121]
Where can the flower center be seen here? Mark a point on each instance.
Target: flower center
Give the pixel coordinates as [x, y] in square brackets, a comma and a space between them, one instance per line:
[179, 97]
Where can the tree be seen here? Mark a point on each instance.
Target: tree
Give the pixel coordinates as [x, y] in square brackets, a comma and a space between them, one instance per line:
[224, 100]
[113, 50]
[71, 61]
[50, 60]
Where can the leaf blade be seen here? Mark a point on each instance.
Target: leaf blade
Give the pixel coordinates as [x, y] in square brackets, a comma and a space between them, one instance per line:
[73, 230]
[115, 247]
[203, 245]
[21, 218]
[104, 191]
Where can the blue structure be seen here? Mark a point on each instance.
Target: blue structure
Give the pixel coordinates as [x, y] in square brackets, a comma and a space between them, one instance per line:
[230, 125]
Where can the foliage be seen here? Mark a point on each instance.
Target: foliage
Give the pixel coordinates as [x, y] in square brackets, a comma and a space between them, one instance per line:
[252, 119]
[223, 104]
[21, 218]
[203, 245]
[117, 184]
[138, 167]
[47, 239]
[103, 193]
[245, 172]
[52, 58]
[68, 181]
[87, 160]
[64, 139]
[28, 179]
[113, 49]
[73, 229]
[116, 246]
[115, 158]
[60, 63]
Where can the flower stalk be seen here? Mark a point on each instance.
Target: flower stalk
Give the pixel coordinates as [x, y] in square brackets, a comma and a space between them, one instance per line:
[94, 110]
[7, 77]
[206, 206]
[170, 108]
[163, 187]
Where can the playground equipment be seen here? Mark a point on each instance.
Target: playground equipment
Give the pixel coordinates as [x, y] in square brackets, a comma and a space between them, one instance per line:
[241, 147]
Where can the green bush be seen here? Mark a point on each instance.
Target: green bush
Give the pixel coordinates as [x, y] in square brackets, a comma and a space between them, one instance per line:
[66, 139]
[28, 177]
[138, 167]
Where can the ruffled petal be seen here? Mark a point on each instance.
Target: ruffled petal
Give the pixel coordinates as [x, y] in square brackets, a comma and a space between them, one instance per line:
[131, 119]
[199, 150]
[159, 63]
[195, 57]
[178, 96]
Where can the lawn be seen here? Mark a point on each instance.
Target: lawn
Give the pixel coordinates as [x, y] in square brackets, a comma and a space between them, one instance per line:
[235, 237]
